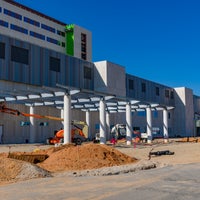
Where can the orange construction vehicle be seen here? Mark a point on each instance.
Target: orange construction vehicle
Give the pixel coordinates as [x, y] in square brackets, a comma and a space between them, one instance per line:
[78, 134]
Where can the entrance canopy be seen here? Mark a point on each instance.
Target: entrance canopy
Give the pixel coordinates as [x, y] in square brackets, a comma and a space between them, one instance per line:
[85, 100]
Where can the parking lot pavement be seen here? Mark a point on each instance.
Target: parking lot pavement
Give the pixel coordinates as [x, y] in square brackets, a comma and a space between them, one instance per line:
[171, 182]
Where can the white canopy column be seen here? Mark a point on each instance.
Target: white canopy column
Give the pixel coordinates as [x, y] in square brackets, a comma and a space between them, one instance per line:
[62, 115]
[108, 125]
[88, 123]
[32, 126]
[102, 117]
[165, 125]
[149, 124]
[128, 124]
[67, 119]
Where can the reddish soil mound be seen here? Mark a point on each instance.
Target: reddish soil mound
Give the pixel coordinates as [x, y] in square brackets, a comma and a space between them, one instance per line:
[17, 165]
[86, 156]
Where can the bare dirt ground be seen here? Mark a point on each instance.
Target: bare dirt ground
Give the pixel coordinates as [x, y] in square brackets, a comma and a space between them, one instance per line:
[90, 157]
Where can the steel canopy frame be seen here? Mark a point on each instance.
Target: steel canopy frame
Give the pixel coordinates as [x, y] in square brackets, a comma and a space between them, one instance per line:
[83, 99]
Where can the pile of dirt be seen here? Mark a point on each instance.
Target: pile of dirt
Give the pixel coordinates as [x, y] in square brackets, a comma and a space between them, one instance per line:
[59, 159]
[86, 156]
[12, 170]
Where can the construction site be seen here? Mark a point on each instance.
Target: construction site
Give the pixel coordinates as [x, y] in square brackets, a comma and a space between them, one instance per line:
[24, 162]
[64, 117]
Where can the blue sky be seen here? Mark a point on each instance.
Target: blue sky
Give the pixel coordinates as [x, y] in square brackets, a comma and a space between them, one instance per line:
[158, 40]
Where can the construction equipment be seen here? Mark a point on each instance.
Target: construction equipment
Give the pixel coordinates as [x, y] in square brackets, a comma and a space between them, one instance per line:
[78, 134]
[11, 111]
[118, 131]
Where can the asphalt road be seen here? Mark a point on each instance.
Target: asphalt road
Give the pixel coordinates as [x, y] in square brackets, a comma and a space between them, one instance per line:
[168, 183]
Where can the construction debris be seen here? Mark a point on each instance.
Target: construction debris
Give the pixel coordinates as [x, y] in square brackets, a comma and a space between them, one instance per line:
[160, 153]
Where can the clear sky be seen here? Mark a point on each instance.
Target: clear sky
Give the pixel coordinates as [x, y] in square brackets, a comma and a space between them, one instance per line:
[158, 40]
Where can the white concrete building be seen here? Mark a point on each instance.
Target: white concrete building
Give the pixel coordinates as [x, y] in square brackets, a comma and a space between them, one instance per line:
[42, 60]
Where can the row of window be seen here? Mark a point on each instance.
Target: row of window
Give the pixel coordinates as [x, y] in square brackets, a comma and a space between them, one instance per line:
[83, 46]
[32, 33]
[168, 93]
[32, 22]
[21, 55]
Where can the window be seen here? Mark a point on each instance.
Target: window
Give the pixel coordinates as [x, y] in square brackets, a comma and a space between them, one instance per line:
[167, 93]
[155, 114]
[53, 41]
[54, 64]
[19, 55]
[83, 56]
[83, 37]
[0, 9]
[141, 113]
[48, 28]
[3, 23]
[37, 35]
[143, 87]
[61, 33]
[19, 29]
[130, 84]
[157, 91]
[22, 123]
[2, 50]
[83, 46]
[12, 14]
[63, 44]
[87, 73]
[172, 94]
[31, 21]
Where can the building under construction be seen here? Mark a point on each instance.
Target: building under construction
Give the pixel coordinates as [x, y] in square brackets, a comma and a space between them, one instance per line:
[48, 78]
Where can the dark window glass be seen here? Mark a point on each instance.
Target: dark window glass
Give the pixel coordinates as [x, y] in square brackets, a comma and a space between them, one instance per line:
[61, 33]
[2, 50]
[130, 84]
[83, 37]
[48, 28]
[87, 73]
[172, 95]
[0, 9]
[31, 21]
[143, 87]
[54, 64]
[12, 14]
[63, 44]
[157, 91]
[167, 93]
[20, 55]
[19, 29]
[37, 35]
[83, 56]
[51, 40]
[83, 48]
[3, 23]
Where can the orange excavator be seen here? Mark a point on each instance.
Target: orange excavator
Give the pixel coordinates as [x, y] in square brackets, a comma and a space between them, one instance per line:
[78, 134]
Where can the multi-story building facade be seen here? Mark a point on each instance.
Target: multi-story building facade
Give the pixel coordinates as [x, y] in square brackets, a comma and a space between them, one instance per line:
[37, 51]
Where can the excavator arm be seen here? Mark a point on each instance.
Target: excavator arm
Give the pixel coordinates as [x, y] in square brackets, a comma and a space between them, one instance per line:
[11, 111]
